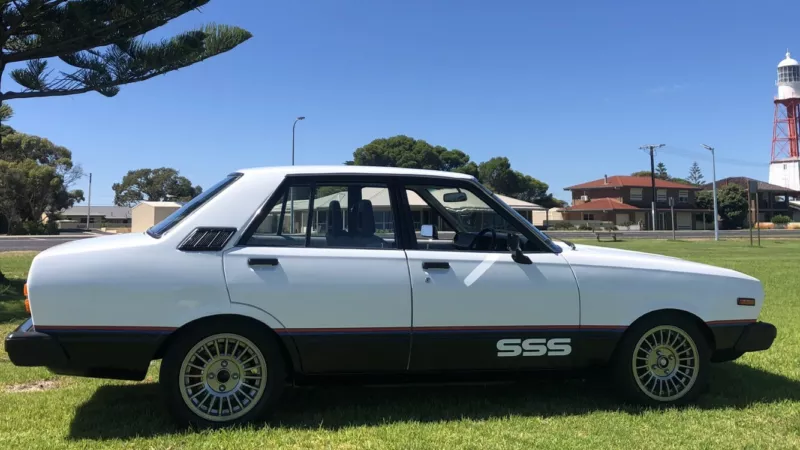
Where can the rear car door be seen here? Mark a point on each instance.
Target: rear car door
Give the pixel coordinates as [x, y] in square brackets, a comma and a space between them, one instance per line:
[322, 257]
[474, 306]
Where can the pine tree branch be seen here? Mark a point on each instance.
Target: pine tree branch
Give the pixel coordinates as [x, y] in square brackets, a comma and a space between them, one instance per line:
[54, 43]
[216, 40]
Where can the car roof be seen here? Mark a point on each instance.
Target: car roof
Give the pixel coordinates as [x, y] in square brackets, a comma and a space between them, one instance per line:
[351, 170]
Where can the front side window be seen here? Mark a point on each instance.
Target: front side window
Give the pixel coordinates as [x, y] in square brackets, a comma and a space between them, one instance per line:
[683, 196]
[460, 220]
[192, 205]
[661, 195]
[588, 216]
[636, 194]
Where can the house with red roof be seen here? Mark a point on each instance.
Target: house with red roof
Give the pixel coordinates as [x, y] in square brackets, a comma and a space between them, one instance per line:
[623, 200]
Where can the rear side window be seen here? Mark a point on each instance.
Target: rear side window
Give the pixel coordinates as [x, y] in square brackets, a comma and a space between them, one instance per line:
[192, 205]
[329, 215]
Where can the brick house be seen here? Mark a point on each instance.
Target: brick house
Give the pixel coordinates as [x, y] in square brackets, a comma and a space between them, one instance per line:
[623, 200]
[773, 200]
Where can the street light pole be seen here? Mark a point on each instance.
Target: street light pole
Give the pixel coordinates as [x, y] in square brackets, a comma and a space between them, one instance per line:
[714, 187]
[651, 149]
[291, 191]
[89, 204]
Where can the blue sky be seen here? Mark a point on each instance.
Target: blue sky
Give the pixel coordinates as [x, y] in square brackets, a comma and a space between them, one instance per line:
[567, 90]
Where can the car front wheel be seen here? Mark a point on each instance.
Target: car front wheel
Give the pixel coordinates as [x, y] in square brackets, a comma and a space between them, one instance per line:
[663, 360]
[222, 374]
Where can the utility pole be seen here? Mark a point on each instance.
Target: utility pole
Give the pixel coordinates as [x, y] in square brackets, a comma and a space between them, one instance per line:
[651, 149]
[89, 208]
[714, 187]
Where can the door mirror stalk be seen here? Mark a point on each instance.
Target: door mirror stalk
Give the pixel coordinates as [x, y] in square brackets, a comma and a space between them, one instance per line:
[516, 250]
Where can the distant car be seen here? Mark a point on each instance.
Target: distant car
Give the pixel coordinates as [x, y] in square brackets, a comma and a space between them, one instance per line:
[278, 275]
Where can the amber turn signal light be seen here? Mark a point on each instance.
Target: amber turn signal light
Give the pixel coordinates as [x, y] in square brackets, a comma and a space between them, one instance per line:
[27, 306]
[25, 290]
[746, 301]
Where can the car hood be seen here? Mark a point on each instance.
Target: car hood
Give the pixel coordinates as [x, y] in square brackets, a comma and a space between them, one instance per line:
[99, 243]
[606, 256]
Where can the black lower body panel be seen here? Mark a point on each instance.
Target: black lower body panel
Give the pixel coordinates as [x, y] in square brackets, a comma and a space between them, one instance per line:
[735, 339]
[96, 353]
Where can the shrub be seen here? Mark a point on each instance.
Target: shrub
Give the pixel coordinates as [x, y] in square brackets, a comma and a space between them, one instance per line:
[781, 220]
[585, 227]
[30, 227]
[628, 224]
[562, 226]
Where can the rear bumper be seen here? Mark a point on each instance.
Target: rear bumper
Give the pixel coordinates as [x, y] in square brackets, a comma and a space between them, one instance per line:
[756, 337]
[27, 348]
[86, 353]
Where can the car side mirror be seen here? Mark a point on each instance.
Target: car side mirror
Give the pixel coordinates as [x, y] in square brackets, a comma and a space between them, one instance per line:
[429, 231]
[516, 250]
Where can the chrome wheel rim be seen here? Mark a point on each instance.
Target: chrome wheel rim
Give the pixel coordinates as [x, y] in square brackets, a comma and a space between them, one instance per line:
[665, 363]
[223, 377]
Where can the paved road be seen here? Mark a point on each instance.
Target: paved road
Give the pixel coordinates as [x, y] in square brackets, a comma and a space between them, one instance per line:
[689, 234]
[34, 243]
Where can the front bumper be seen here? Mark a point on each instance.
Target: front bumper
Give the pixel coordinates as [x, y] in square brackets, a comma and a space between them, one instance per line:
[28, 348]
[756, 337]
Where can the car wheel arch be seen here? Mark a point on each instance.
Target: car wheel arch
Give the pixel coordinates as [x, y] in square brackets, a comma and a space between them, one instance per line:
[705, 330]
[288, 351]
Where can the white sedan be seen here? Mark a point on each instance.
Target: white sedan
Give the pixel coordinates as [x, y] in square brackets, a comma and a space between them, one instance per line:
[287, 275]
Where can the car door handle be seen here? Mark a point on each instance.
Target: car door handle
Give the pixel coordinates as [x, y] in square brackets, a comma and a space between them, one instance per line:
[262, 261]
[435, 265]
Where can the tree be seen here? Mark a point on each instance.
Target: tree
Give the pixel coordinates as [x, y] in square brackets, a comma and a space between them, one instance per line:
[407, 152]
[704, 200]
[681, 181]
[661, 171]
[161, 184]
[695, 174]
[642, 173]
[35, 179]
[99, 41]
[732, 206]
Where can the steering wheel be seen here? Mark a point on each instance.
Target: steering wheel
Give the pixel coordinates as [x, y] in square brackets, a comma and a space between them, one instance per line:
[481, 234]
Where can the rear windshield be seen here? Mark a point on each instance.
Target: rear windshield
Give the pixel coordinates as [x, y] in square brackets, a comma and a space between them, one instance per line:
[173, 219]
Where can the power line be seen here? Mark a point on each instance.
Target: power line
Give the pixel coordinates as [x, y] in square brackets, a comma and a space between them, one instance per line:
[698, 154]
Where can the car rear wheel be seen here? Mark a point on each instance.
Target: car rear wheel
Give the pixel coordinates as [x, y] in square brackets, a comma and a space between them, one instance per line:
[222, 374]
[663, 360]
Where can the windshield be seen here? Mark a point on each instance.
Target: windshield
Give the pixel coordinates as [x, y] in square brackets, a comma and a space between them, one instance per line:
[173, 219]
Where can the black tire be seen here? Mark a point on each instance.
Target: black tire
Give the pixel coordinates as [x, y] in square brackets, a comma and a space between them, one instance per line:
[170, 376]
[622, 364]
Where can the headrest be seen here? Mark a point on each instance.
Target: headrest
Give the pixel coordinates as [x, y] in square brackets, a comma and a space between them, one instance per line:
[365, 218]
[334, 218]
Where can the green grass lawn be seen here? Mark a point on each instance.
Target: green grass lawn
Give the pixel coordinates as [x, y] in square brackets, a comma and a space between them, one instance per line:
[753, 403]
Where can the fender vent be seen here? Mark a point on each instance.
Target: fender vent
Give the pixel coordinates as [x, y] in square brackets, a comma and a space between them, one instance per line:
[206, 239]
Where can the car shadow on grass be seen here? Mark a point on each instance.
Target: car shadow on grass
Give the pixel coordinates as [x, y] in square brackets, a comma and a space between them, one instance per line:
[137, 410]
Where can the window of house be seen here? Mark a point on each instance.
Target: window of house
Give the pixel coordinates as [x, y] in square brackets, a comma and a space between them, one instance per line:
[330, 216]
[661, 195]
[683, 196]
[588, 216]
[636, 194]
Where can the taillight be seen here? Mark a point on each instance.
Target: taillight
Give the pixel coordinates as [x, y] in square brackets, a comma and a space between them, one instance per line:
[27, 301]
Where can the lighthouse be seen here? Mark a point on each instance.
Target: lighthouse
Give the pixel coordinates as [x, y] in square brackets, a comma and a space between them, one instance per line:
[784, 168]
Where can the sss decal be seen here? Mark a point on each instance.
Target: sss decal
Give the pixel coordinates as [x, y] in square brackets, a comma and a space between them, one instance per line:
[534, 347]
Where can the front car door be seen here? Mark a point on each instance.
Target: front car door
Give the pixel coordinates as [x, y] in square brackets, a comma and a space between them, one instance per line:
[474, 307]
[322, 258]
